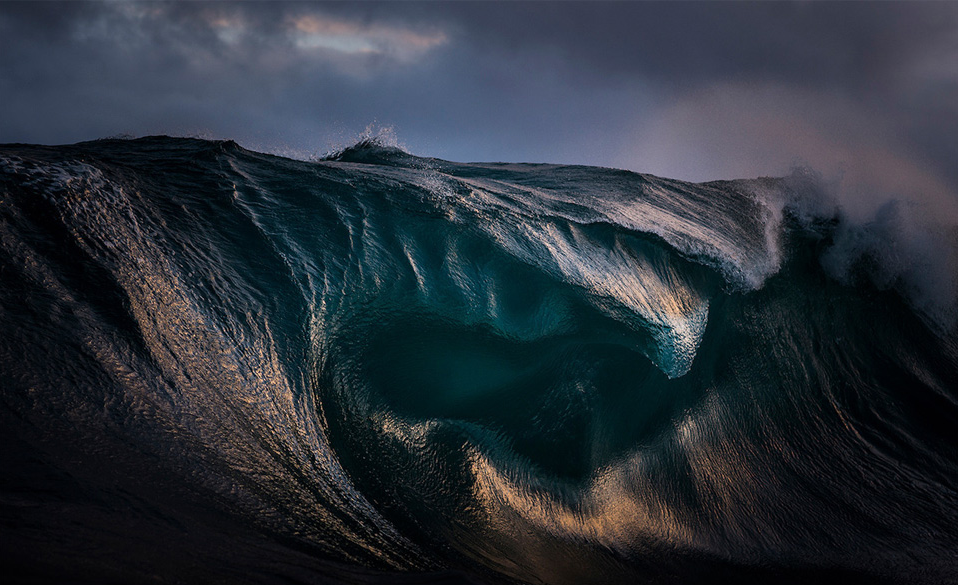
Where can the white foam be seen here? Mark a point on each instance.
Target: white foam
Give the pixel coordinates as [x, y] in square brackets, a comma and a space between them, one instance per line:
[899, 239]
[906, 249]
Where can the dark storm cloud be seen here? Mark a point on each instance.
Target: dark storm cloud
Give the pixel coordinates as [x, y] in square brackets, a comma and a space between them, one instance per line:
[217, 68]
[682, 44]
[695, 91]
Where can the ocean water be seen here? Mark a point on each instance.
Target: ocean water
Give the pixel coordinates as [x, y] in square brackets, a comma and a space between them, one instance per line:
[223, 366]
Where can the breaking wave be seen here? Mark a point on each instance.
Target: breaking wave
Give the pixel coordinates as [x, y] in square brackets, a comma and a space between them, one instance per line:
[220, 364]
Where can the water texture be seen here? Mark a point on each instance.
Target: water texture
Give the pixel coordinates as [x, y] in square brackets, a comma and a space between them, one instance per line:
[223, 366]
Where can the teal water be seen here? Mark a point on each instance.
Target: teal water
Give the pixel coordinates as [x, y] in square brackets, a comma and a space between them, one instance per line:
[383, 368]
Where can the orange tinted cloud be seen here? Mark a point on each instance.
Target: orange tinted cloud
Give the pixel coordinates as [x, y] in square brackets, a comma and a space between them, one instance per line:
[313, 31]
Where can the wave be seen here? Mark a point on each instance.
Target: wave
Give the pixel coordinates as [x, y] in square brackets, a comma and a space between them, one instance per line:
[376, 367]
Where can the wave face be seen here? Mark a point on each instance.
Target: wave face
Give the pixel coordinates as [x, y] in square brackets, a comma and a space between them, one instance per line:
[219, 365]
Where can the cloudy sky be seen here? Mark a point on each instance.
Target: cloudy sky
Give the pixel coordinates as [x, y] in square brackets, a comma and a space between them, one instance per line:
[864, 92]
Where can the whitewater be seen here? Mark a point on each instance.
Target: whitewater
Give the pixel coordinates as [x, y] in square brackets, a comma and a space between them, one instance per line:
[218, 365]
